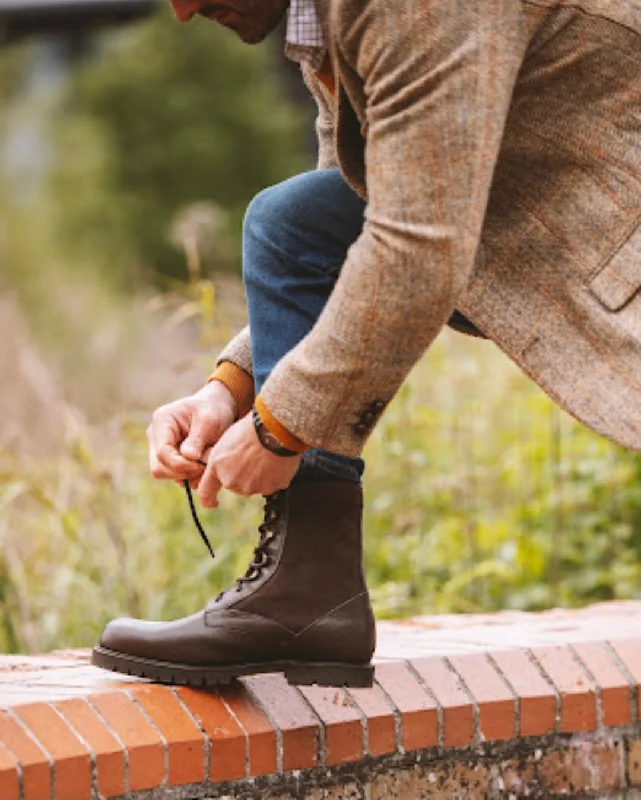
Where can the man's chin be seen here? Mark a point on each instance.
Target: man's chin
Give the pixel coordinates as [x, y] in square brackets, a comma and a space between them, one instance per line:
[251, 37]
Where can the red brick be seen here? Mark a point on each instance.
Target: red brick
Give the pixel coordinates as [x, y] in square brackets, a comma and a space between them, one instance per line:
[184, 740]
[36, 774]
[289, 711]
[259, 730]
[381, 725]
[72, 760]
[458, 710]
[613, 685]
[536, 698]
[578, 698]
[494, 699]
[9, 784]
[228, 742]
[73, 678]
[20, 663]
[343, 726]
[109, 756]
[629, 651]
[419, 714]
[11, 696]
[144, 745]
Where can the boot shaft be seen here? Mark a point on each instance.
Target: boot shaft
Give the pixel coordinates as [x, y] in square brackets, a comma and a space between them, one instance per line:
[316, 554]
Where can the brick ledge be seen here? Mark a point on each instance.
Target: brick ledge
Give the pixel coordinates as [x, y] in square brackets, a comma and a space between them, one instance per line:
[504, 705]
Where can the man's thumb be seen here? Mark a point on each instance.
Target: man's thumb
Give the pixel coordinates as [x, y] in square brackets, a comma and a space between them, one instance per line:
[194, 446]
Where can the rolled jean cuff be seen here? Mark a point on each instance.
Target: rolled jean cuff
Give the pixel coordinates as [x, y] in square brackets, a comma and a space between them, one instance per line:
[323, 465]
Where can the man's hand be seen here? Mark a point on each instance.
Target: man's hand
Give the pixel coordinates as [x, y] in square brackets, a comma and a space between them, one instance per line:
[181, 432]
[241, 464]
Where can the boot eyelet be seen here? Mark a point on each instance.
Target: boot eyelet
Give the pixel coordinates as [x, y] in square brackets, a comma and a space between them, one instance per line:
[264, 561]
[253, 574]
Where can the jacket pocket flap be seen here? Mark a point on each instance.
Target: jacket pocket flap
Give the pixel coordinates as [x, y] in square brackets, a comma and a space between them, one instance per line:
[620, 279]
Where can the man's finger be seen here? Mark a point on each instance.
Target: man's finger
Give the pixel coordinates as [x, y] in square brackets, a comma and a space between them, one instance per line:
[203, 434]
[165, 435]
[209, 487]
[180, 467]
[158, 470]
[162, 473]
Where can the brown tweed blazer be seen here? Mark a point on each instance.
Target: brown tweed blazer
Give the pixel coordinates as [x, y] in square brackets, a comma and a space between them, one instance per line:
[498, 144]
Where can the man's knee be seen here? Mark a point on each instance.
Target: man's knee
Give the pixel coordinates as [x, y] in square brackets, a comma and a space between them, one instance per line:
[311, 219]
[286, 203]
[263, 211]
[270, 225]
[264, 234]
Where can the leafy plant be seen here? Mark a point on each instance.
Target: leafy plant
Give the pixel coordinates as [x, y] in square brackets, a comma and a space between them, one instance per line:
[164, 117]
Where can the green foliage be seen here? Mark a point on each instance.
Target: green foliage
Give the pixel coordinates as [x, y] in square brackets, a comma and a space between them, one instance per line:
[98, 539]
[481, 495]
[167, 116]
[496, 500]
[10, 76]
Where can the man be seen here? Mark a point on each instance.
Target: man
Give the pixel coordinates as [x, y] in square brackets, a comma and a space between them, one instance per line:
[483, 156]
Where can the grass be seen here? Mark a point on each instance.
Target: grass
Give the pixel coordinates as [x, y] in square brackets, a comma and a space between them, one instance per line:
[480, 493]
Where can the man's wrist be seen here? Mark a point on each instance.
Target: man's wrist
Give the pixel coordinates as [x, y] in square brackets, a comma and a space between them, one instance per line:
[238, 383]
[278, 430]
[268, 440]
[217, 389]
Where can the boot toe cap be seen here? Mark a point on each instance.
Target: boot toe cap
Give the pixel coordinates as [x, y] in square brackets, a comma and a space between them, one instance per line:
[181, 641]
[126, 635]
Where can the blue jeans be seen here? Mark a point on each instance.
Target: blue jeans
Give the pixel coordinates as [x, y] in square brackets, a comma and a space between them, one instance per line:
[295, 240]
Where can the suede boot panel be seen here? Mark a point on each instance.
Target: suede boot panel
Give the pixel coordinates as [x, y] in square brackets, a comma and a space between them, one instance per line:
[320, 566]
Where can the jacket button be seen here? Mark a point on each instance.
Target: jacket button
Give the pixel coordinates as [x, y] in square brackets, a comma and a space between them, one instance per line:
[360, 428]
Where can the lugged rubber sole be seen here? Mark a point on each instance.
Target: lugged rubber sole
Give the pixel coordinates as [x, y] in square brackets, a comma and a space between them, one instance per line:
[298, 673]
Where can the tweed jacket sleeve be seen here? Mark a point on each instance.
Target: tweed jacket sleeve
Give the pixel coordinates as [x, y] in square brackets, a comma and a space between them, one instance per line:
[430, 85]
[238, 351]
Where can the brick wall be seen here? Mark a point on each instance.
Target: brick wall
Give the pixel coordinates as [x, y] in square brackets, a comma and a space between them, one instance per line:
[500, 706]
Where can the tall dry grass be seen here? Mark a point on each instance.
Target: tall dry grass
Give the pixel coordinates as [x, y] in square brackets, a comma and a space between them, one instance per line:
[479, 492]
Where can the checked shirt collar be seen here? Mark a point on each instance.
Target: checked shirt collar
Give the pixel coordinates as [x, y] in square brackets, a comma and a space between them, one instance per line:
[305, 41]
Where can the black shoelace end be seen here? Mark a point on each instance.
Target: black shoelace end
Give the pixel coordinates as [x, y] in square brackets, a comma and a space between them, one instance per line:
[194, 515]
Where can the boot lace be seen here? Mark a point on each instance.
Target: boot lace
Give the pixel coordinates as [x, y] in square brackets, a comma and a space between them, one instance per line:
[197, 522]
[262, 557]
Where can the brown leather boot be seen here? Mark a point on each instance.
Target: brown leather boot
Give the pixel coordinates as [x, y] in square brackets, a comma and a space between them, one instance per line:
[302, 608]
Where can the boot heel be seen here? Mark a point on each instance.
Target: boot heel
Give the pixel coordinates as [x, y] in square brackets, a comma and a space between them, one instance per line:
[339, 675]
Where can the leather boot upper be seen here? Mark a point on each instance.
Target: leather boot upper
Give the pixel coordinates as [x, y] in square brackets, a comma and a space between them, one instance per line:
[303, 597]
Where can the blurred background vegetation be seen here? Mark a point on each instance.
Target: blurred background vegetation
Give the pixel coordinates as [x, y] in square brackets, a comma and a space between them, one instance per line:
[126, 166]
